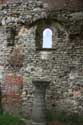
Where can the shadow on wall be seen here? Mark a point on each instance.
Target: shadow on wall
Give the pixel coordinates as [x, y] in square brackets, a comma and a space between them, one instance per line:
[54, 4]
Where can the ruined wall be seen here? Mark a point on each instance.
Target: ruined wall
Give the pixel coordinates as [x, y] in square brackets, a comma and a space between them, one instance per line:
[22, 60]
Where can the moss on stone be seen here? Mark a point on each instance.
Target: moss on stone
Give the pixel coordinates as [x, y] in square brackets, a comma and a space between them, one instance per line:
[64, 117]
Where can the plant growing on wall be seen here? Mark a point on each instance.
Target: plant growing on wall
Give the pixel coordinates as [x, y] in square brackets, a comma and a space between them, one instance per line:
[1, 108]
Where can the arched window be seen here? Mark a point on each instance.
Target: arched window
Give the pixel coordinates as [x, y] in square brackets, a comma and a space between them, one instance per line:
[47, 38]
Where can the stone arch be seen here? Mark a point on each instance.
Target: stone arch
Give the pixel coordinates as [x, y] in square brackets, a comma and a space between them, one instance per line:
[59, 34]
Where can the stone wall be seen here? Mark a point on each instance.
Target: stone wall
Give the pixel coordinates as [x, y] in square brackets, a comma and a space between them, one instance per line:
[22, 61]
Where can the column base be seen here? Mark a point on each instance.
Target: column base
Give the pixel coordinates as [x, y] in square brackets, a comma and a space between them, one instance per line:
[36, 123]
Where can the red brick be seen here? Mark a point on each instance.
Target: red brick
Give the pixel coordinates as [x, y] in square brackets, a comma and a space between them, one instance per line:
[11, 79]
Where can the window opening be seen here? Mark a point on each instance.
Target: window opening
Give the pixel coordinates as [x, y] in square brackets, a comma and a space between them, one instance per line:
[47, 38]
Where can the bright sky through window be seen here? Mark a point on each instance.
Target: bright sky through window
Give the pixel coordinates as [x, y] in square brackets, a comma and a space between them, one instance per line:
[47, 38]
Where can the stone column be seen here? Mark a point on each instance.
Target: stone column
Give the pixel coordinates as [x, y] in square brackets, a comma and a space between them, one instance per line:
[39, 107]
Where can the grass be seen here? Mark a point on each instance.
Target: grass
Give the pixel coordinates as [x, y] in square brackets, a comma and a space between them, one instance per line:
[7, 119]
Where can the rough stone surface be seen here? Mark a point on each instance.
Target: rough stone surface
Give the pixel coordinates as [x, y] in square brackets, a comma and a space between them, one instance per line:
[21, 26]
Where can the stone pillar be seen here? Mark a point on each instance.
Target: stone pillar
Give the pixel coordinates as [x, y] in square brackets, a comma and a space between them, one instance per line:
[39, 107]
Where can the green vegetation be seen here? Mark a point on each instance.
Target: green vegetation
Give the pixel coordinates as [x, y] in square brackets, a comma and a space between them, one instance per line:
[7, 119]
[1, 107]
[65, 118]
